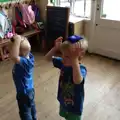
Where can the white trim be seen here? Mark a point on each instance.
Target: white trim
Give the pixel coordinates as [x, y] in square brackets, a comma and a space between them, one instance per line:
[92, 25]
[107, 53]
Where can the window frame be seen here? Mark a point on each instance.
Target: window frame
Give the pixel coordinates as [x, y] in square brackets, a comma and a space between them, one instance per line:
[72, 9]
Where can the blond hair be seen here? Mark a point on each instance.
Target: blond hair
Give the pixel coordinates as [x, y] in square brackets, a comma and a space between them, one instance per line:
[25, 44]
[66, 45]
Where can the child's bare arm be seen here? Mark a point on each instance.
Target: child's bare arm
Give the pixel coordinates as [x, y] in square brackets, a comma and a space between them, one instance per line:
[52, 52]
[76, 52]
[15, 47]
[77, 77]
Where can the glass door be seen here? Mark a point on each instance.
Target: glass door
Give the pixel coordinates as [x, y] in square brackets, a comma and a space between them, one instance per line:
[111, 10]
[108, 13]
[106, 36]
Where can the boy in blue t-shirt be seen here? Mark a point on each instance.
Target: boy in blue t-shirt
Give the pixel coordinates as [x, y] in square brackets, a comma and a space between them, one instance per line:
[72, 75]
[23, 76]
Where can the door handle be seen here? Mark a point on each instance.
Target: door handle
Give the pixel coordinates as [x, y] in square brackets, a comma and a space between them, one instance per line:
[98, 7]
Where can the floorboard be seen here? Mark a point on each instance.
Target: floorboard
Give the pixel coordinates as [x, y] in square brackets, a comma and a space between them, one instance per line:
[102, 99]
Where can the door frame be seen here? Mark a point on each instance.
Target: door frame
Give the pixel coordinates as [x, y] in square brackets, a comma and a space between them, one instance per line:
[96, 20]
[92, 25]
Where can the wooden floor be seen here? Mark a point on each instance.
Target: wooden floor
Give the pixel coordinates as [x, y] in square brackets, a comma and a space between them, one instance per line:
[102, 101]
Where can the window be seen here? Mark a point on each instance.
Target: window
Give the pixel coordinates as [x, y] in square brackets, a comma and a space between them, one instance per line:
[111, 11]
[80, 8]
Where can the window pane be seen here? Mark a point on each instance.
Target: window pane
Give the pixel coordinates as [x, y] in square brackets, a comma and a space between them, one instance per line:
[82, 8]
[111, 9]
[79, 7]
[88, 8]
[65, 3]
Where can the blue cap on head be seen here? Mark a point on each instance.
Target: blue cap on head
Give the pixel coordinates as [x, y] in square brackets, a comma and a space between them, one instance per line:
[75, 38]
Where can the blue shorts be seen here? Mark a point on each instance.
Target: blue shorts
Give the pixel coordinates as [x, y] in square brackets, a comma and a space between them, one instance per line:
[26, 105]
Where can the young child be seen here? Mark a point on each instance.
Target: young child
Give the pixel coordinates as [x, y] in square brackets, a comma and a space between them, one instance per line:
[72, 75]
[23, 76]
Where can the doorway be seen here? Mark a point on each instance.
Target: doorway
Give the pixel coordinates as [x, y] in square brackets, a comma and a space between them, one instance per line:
[106, 35]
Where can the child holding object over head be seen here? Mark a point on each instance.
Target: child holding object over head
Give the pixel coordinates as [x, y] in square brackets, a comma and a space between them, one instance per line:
[23, 76]
[72, 75]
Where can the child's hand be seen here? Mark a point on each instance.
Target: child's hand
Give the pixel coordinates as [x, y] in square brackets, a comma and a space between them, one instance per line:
[16, 38]
[58, 42]
[76, 51]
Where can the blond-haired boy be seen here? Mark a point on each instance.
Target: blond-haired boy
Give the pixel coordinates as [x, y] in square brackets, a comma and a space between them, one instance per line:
[72, 75]
[23, 76]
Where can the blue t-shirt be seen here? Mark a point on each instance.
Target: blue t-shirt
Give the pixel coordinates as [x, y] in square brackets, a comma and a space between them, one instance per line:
[70, 95]
[23, 74]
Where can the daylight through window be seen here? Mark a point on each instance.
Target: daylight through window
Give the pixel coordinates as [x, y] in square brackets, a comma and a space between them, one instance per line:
[81, 8]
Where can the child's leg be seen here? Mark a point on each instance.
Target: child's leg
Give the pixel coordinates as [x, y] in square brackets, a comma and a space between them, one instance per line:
[33, 107]
[33, 111]
[26, 105]
[24, 110]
